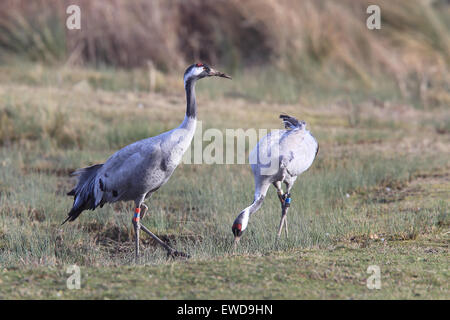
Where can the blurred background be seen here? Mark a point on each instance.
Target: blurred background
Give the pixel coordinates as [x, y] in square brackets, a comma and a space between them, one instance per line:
[278, 51]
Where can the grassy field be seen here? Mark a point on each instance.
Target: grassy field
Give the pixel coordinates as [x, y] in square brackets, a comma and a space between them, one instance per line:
[376, 195]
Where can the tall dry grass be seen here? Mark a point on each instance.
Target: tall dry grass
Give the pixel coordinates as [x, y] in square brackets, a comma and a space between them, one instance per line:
[312, 40]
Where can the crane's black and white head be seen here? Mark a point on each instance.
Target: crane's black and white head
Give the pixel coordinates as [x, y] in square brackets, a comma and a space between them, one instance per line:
[240, 224]
[201, 70]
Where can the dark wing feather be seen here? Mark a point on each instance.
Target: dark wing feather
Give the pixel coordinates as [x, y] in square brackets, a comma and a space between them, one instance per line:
[290, 123]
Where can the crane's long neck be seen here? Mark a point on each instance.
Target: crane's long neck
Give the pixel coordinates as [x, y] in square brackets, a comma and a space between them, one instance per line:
[191, 105]
[260, 194]
[190, 120]
[185, 132]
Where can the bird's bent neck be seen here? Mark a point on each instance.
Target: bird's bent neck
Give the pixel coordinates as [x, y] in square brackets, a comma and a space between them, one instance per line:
[257, 202]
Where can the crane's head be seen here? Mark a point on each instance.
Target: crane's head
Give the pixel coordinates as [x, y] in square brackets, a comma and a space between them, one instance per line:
[201, 70]
[240, 224]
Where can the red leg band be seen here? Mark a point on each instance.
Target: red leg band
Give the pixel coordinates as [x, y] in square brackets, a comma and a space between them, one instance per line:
[137, 213]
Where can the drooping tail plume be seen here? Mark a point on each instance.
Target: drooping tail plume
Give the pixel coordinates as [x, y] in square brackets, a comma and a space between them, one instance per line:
[291, 123]
[84, 192]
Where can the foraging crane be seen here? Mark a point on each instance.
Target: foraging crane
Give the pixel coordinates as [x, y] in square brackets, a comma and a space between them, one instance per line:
[280, 156]
[141, 168]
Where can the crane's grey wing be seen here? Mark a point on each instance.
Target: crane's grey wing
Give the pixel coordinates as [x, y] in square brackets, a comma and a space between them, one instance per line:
[265, 157]
[298, 151]
[117, 177]
[123, 173]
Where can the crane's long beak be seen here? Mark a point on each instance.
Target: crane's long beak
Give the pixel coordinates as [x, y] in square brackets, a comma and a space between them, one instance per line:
[217, 73]
[235, 242]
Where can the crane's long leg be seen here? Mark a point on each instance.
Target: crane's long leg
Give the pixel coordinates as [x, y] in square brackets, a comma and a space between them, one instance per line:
[139, 211]
[277, 185]
[139, 214]
[283, 221]
[170, 251]
[282, 197]
[285, 200]
[137, 227]
[286, 225]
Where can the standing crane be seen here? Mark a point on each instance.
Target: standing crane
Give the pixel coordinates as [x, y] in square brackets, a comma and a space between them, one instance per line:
[139, 169]
[280, 156]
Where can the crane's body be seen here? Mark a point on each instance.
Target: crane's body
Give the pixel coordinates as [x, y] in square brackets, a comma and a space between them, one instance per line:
[155, 159]
[279, 157]
[136, 171]
[140, 168]
[296, 152]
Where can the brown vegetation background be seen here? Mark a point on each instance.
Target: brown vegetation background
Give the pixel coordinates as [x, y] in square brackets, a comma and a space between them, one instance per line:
[324, 38]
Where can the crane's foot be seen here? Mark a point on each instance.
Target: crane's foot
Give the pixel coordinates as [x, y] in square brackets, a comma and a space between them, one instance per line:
[177, 254]
[171, 252]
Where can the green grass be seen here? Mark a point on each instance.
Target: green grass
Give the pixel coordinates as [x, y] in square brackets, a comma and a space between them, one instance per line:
[416, 270]
[376, 194]
[197, 218]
